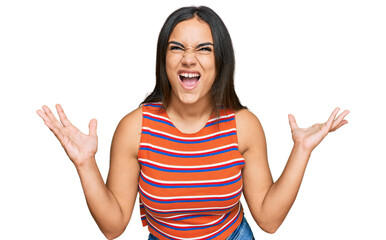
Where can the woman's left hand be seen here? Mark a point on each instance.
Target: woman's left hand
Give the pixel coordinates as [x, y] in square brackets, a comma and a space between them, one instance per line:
[309, 138]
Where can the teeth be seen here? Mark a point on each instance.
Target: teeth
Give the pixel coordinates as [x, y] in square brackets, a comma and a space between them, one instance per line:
[190, 75]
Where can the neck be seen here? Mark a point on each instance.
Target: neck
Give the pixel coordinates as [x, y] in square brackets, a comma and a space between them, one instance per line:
[196, 111]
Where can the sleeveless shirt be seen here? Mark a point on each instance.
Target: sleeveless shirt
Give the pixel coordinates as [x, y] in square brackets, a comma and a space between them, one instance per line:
[190, 184]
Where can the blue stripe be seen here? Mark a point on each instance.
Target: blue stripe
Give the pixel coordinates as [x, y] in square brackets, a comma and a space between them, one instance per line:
[158, 120]
[238, 215]
[189, 156]
[160, 232]
[190, 217]
[153, 105]
[190, 211]
[221, 121]
[187, 141]
[194, 200]
[189, 170]
[191, 186]
[191, 228]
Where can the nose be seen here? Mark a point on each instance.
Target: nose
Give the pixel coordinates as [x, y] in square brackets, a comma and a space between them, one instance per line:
[189, 59]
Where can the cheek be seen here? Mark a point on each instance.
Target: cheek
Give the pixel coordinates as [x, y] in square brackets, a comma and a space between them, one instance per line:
[207, 63]
[169, 64]
[172, 61]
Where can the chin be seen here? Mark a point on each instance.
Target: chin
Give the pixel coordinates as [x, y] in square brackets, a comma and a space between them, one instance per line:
[189, 100]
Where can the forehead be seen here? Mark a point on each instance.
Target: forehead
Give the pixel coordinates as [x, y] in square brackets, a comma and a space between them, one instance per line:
[191, 32]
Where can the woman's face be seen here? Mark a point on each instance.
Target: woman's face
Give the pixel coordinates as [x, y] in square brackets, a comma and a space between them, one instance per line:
[190, 62]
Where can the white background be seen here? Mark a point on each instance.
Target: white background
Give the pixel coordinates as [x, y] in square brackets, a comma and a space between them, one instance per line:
[97, 59]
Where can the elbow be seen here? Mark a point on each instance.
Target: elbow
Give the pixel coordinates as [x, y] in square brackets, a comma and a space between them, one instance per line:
[113, 229]
[110, 235]
[270, 228]
[269, 224]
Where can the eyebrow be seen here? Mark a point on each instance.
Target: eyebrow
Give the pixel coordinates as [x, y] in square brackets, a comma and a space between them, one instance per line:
[198, 46]
[177, 43]
[204, 44]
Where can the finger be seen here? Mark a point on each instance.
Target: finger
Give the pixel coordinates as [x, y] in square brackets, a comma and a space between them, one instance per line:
[339, 125]
[92, 128]
[331, 118]
[43, 115]
[62, 116]
[51, 116]
[292, 122]
[50, 125]
[340, 118]
[55, 130]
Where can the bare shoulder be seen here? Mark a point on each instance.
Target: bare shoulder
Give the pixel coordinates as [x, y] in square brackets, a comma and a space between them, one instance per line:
[132, 119]
[249, 129]
[246, 116]
[247, 123]
[128, 131]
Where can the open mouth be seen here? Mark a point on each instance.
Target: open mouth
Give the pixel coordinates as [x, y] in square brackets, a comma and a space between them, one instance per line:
[189, 80]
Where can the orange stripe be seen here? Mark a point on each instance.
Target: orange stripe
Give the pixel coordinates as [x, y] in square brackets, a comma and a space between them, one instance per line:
[189, 211]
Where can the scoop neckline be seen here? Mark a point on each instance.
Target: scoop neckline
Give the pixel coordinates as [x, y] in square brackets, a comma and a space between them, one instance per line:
[184, 133]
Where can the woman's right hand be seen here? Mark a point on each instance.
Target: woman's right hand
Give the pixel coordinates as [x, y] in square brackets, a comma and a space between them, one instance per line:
[79, 147]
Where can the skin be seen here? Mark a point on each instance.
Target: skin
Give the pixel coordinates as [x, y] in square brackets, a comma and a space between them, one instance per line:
[111, 204]
[190, 109]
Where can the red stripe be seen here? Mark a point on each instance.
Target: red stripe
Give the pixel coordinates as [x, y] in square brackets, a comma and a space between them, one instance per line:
[195, 198]
[190, 154]
[189, 184]
[202, 168]
[189, 226]
[191, 140]
[220, 119]
[162, 119]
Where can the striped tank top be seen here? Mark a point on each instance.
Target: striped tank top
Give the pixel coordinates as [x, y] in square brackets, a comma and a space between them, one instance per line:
[190, 184]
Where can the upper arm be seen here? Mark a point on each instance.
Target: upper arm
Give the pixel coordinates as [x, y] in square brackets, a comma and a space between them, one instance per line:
[124, 167]
[257, 178]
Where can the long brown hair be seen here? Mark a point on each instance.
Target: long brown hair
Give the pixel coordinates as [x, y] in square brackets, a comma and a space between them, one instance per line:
[222, 92]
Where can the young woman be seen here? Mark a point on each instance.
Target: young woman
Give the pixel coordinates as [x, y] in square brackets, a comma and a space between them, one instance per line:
[191, 149]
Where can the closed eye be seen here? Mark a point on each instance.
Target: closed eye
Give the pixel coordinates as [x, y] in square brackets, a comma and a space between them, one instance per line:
[208, 49]
[174, 47]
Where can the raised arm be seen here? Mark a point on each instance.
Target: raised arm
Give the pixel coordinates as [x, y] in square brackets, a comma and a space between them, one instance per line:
[270, 202]
[111, 205]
